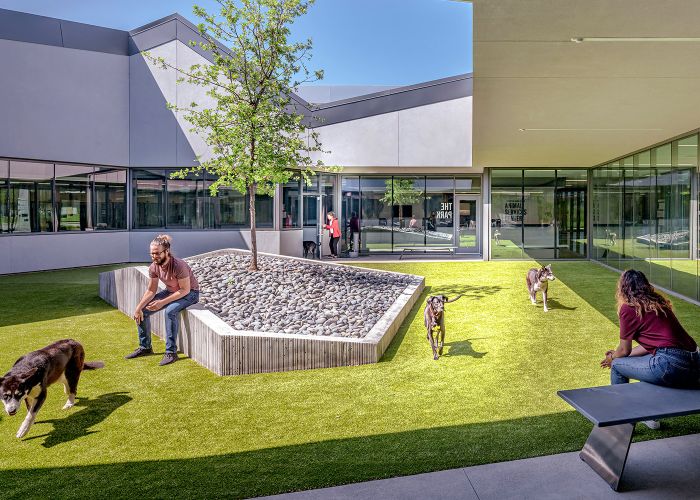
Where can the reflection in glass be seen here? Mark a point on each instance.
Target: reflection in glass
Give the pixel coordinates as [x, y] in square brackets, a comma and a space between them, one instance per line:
[291, 193]
[375, 231]
[182, 203]
[350, 191]
[31, 197]
[110, 198]
[149, 196]
[407, 210]
[506, 214]
[4, 196]
[570, 197]
[230, 208]
[438, 222]
[538, 213]
[73, 197]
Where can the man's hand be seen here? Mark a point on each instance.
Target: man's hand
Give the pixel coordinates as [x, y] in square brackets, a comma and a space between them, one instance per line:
[155, 305]
[138, 316]
[607, 362]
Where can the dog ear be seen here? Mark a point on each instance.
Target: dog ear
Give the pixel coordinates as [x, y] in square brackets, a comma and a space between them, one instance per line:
[548, 267]
[2, 379]
[445, 299]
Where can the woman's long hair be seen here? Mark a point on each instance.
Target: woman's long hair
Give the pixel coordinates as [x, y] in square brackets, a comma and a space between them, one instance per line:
[634, 289]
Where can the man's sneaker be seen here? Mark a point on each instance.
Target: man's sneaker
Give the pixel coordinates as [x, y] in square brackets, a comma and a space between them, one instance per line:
[140, 351]
[652, 424]
[168, 357]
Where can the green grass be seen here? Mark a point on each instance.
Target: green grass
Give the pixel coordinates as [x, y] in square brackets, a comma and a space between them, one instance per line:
[180, 431]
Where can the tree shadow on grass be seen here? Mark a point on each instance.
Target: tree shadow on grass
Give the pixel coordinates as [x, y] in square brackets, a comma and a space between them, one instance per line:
[318, 464]
[78, 423]
[467, 291]
[463, 348]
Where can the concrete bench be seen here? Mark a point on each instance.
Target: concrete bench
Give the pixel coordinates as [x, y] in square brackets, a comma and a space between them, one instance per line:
[615, 409]
[427, 249]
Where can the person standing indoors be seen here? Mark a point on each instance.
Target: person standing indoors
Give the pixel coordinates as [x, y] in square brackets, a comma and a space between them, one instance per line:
[666, 354]
[181, 291]
[334, 232]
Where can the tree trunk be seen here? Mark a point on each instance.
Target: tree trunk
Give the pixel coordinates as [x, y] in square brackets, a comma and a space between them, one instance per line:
[253, 239]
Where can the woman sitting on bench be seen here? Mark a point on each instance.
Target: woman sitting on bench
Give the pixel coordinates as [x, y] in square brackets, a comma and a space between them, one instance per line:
[666, 354]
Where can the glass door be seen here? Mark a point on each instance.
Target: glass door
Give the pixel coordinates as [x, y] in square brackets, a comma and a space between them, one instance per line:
[312, 219]
[467, 224]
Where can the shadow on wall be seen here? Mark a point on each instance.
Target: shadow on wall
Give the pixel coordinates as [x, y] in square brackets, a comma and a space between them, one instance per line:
[322, 464]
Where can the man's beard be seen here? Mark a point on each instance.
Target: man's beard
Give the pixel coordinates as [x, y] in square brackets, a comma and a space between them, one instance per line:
[160, 261]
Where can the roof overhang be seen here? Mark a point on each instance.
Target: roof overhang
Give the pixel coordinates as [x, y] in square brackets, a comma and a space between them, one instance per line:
[545, 98]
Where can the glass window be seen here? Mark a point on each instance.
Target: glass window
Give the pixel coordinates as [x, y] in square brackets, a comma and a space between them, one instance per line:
[468, 184]
[376, 203]
[686, 152]
[570, 199]
[538, 213]
[506, 213]
[74, 197]
[264, 209]
[350, 189]
[230, 208]
[31, 197]
[291, 193]
[110, 198]
[4, 196]
[182, 203]
[408, 214]
[327, 185]
[438, 222]
[149, 198]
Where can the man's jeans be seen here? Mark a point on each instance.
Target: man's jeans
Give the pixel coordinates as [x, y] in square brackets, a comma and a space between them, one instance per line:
[172, 320]
[669, 366]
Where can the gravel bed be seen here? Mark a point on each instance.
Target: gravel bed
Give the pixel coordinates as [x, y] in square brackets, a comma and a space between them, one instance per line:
[296, 296]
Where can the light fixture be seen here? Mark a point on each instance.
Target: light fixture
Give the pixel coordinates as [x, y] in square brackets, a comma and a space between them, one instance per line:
[633, 39]
[589, 129]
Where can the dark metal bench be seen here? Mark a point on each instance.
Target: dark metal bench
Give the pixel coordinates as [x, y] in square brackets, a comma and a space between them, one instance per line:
[427, 249]
[615, 409]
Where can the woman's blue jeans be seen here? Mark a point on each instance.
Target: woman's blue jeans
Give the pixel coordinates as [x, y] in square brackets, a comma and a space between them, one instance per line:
[172, 320]
[669, 366]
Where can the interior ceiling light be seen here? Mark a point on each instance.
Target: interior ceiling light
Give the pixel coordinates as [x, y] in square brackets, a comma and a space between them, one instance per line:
[633, 39]
[589, 129]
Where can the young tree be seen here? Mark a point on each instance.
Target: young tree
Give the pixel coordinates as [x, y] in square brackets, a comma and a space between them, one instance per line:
[251, 124]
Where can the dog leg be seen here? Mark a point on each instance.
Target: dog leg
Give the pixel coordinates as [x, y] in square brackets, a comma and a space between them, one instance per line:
[442, 335]
[544, 299]
[533, 298]
[33, 408]
[432, 343]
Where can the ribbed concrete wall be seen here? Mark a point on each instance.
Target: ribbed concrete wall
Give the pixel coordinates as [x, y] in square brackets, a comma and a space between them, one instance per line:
[214, 344]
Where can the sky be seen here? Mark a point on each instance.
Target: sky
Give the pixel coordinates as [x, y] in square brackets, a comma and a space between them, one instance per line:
[355, 42]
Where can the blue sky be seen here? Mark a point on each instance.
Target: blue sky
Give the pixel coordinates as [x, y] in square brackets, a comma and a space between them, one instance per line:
[356, 42]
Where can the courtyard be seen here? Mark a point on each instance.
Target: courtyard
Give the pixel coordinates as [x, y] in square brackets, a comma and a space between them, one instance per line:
[181, 431]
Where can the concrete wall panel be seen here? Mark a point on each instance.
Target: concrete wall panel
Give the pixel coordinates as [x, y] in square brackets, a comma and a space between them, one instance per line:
[370, 141]
[185, 243]
[62, 104]
[437, 134]
[38, 252]
[153, 127]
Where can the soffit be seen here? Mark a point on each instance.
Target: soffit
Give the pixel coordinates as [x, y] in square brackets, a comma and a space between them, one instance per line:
[603, 99]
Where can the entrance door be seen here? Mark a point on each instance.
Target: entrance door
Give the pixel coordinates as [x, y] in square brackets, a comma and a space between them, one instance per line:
[312, 218]
[467, 224]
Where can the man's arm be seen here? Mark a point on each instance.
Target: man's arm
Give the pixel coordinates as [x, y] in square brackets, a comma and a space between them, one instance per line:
[147, 296]
[184, 285]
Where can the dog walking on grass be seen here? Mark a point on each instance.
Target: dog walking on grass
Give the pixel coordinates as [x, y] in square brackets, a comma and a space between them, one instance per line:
[434, 315]
[33, 373]
[538, 281]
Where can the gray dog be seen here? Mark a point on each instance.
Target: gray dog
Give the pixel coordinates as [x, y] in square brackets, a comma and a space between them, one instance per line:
[434, 315]
[537, 281]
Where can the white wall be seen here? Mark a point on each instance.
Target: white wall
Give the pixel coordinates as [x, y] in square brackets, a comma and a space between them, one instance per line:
[435, 135]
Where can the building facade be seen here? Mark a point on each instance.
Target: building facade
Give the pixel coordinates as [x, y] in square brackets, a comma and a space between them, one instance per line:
[88, 146]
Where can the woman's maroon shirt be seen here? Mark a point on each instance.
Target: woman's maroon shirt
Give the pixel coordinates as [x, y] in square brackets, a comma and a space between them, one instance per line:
[652, 331]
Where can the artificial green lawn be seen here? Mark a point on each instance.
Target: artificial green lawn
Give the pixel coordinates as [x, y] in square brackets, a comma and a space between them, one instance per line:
[181, 431]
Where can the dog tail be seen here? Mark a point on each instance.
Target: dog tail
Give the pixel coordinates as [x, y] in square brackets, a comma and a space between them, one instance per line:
[457, 297]
[93, 365]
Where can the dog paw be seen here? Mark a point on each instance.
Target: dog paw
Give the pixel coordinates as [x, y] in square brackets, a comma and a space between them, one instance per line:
[22, 432]
[68, 405]
[545, 309]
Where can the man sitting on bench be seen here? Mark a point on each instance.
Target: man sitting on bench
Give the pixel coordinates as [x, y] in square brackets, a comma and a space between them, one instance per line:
[666, 354]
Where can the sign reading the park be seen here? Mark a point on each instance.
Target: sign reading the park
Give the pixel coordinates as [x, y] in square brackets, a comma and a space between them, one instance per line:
[445, 211]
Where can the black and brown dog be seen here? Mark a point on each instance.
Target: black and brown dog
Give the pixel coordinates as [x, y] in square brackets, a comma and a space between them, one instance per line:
[33, 373]
[434, 315]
